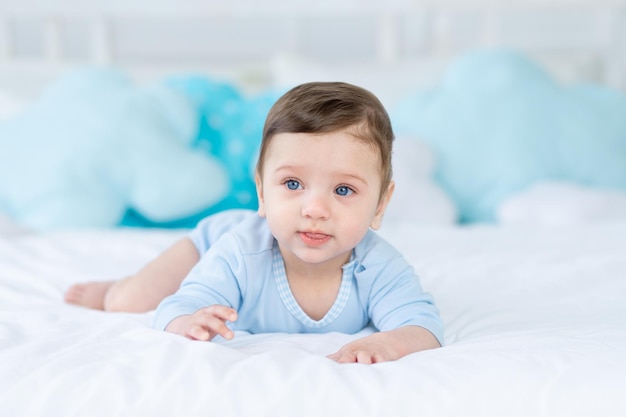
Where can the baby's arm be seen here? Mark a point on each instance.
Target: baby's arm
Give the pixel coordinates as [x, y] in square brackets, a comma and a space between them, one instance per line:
[386, 346]
[205, 323]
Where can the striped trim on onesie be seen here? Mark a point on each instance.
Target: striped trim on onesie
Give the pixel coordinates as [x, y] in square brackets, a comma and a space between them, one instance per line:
[280, 277]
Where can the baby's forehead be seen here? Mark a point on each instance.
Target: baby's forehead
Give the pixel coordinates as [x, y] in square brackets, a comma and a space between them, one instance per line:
[335, 135]
[329, 151]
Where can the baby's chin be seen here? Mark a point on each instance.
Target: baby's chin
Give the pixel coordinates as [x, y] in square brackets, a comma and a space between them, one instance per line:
[321, 256]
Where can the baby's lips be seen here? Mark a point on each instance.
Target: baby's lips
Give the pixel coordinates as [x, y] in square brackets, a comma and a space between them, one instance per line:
[315, 235]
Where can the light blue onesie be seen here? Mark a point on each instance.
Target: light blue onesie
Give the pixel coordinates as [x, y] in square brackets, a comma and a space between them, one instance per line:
[244, 270]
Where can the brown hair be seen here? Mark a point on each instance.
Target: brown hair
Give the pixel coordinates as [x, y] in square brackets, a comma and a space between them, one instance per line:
[326, 107]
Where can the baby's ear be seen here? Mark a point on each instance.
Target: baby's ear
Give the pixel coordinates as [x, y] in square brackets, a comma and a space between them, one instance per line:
[377, 221]
[259, 194]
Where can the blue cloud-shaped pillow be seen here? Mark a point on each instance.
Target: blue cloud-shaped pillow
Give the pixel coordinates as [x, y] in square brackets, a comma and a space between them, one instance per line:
[95, 150]
[498, 123]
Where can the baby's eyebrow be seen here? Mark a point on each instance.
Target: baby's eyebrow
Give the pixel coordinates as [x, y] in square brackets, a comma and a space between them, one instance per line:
[285, 168]
[354, 176]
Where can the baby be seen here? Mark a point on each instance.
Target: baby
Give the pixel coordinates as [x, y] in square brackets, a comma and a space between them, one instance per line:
[308, 260]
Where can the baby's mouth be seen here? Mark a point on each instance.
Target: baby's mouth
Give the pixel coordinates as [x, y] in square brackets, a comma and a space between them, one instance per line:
[314, 238]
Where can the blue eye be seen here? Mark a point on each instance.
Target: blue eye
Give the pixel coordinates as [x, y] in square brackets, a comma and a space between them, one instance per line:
[292, 184]
[343, 190]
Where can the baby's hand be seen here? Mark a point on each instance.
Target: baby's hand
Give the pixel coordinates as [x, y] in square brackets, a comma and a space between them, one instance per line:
[386, 346]
[374, 348]
[205, 323]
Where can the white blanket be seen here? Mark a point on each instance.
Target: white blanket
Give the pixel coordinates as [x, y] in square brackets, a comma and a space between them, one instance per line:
[535, 326]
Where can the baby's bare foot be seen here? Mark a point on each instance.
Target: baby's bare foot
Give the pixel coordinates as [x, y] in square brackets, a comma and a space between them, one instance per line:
[88, 294]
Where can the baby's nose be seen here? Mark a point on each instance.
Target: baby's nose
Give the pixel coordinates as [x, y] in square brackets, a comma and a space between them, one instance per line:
[315, 207]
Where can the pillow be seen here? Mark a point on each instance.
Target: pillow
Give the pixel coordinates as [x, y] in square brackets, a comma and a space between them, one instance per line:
[417, 198]
[94, 147]
[498, 123]
[96, 150]
[562, 204]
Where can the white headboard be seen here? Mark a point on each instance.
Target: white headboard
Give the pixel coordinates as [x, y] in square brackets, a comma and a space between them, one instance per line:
[259, 42]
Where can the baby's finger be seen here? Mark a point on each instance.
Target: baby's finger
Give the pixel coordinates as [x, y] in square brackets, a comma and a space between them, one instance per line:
[342, 357]
[363, 357]
[198, 332]
[207, 327]
[223, 312]
[224, 331]
[358, 356]
[217, 325]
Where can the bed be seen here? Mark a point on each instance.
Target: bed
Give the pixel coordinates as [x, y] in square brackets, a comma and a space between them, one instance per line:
[528, 271]
[535, 325]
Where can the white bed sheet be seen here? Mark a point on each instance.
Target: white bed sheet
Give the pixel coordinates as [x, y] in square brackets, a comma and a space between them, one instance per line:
[535, 326]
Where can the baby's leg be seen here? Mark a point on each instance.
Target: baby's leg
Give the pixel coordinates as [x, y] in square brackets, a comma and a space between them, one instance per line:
[155, 281]
[159, 278]
[88, 294]
[144, 290]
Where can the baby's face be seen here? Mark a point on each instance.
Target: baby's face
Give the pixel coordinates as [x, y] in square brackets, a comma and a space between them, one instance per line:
[320, 194]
